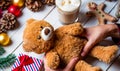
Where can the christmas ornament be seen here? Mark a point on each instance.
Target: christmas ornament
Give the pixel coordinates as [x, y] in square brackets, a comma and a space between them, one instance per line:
[24, 62]
[15, 10]
[33, 5]
[4, 39]
[7, 22]
[4, 4]
[2, 51]
[7, 61]
[19, 3]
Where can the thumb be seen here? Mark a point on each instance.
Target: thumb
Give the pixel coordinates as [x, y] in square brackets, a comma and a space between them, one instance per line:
[87, 47]
[71, 64]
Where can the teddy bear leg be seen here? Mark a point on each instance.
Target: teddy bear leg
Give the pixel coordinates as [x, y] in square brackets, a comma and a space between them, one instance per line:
[104, 53]
[83, 66]
[52, 59]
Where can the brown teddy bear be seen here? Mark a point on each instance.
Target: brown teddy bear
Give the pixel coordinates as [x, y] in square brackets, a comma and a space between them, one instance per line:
[62, 44]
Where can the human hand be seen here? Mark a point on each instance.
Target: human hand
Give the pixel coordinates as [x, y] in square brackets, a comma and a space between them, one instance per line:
[69, 67]
[96, 34]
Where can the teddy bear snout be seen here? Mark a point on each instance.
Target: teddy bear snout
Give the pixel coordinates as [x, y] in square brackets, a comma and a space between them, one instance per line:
[46, 33]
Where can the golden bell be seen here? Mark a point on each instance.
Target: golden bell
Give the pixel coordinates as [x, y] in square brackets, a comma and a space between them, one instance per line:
[19, 3]
[4, 39]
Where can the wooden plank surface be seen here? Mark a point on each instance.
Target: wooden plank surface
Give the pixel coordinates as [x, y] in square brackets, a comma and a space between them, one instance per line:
[115, 66]
[50, 14]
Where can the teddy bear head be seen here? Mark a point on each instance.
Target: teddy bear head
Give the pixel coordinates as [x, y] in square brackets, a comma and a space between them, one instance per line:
[38, 36]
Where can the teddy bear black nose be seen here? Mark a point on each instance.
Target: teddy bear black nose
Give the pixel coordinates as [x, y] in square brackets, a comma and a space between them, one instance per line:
[47, 31]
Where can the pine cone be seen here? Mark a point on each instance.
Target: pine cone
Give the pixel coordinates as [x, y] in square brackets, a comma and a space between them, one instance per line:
[33, 5]
[49, 2]
[8, 22]
[2, 28]
[4, 4]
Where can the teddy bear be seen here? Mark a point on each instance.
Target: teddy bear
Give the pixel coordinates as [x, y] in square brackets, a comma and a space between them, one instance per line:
[62, 44]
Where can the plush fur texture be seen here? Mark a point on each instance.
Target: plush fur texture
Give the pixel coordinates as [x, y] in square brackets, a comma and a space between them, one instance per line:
[65, 44]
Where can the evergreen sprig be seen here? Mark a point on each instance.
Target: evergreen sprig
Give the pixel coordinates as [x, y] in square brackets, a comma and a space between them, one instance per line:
[7, 61]
[2, 51]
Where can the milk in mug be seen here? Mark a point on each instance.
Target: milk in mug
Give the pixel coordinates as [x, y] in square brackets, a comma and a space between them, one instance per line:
[68, 10]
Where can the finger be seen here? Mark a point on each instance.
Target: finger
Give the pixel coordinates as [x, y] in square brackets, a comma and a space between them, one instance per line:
[87, 48]
[71, 64]
[45, 64]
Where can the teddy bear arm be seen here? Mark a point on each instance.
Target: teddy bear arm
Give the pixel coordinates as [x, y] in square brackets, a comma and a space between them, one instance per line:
[83, 66]
[26, 47]
[52, 59]
[104, 53]
[73, 29]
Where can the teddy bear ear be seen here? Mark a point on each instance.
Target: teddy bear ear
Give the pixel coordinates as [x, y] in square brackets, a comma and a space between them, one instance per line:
[29, 21]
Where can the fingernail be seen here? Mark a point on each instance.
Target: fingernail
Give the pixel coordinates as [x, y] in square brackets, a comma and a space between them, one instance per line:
[76, 58]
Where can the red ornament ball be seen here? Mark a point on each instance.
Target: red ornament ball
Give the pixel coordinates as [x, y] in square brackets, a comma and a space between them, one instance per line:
[15, 10]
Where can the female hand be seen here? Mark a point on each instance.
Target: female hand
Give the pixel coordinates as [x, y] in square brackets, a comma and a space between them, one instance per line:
[96, 34]
[69, 67]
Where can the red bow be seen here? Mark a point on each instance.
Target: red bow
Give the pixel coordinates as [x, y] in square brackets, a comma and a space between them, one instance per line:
[24, 60]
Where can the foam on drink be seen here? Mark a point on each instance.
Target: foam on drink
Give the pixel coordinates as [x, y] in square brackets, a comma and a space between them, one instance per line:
[68, 10]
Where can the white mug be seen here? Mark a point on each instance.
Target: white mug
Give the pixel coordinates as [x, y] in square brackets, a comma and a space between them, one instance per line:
[68, 10]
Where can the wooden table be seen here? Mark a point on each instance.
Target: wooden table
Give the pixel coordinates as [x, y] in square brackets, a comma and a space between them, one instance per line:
[50, 14]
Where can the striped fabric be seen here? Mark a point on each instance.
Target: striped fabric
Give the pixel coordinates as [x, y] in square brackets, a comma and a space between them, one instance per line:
[36, 66]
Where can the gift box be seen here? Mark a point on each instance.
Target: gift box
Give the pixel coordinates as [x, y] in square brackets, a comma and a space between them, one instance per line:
[27, 63]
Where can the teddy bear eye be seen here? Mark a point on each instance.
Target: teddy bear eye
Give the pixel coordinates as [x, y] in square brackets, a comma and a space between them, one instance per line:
[41, 27]
[39, 37]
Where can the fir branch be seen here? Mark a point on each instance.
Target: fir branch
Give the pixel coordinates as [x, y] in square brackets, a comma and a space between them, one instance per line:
[7, 61]
[2, 51]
